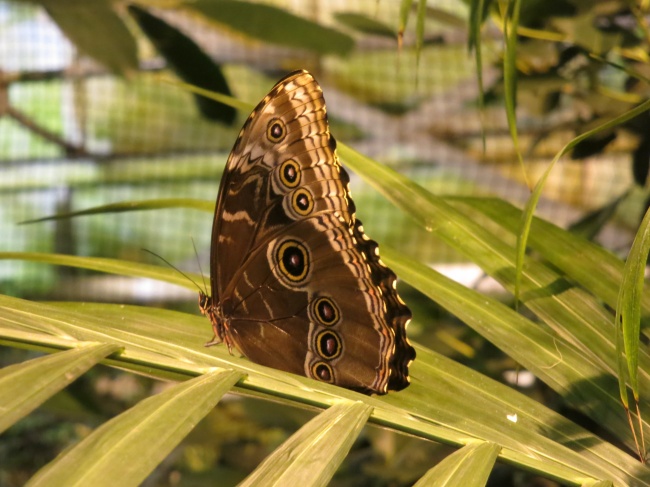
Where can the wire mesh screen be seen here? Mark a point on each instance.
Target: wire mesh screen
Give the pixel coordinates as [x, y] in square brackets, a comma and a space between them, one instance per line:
[105, 153]
[84, 126]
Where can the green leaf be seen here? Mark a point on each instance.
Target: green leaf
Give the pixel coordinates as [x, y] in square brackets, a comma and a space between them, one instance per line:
[590, 265]
[572, 313]
[274, 25]
[364, 24]
[112, 266]
[421, 16]
[126, 206]
[189, 61]
[476, 17]
[165, 344]
[560, 364]
[470, 467]
[27, 385]
[510, 25]
[531, 204]
[404, 11]
[590, 225]
[628, 310]
[597, 483]
[146, 432]
[95, 29]
[312, 455]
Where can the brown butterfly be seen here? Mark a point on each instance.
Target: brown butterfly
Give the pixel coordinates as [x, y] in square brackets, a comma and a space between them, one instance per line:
[296, 284]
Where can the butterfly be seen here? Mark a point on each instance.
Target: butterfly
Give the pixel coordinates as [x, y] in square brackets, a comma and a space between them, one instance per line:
[296, 284]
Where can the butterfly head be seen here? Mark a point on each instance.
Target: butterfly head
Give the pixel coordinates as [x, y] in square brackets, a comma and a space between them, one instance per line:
[205, 303]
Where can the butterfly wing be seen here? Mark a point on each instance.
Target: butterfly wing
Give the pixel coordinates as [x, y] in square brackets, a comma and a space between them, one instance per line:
[298, 284]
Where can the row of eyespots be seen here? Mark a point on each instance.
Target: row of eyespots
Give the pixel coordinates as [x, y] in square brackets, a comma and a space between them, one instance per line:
[293, 259]
[328, 343]
[301, 201]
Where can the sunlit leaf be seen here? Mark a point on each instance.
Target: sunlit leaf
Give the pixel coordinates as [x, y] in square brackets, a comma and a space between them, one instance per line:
[27, 385]
[470, 467]
[147, 432]
[313, 454]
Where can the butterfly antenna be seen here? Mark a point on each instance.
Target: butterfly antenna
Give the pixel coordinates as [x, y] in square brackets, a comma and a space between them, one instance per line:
[174, 267]
[198, 261]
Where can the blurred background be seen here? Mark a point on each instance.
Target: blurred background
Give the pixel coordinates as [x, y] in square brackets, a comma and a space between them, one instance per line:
[86, 119]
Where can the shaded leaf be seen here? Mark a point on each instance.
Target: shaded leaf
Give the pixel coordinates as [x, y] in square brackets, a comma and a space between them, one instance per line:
[189, 62]
[510, 26]
[592, 146]
[641, 162]
[421, 16]
[477, 12]
[404, 11]
[593, 222]
[364, 24]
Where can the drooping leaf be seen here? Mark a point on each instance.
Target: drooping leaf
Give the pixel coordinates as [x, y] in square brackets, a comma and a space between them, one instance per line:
[531, 204]
[126, 206]
[189, 62]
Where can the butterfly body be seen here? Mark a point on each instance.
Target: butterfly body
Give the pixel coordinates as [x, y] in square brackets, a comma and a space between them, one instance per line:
[296, 284]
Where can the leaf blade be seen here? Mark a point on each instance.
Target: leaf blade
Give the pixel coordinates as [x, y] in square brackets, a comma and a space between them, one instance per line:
[27, 385]
[148, 431]
[312, 454]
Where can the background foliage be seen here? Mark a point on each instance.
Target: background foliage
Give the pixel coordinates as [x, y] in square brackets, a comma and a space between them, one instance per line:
[93, 125]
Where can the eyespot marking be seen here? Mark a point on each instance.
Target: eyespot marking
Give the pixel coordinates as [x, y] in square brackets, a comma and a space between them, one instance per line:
[290, 173]
[292, 258]
[323, 372]
[328, 345]
[276, 130]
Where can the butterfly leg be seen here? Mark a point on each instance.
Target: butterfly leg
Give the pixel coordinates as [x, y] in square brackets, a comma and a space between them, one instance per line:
[220, 335]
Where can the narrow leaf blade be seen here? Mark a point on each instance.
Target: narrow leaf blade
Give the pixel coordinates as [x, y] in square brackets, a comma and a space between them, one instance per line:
[470, 466]
[312, 455]
[148, 432]
[27, 385]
